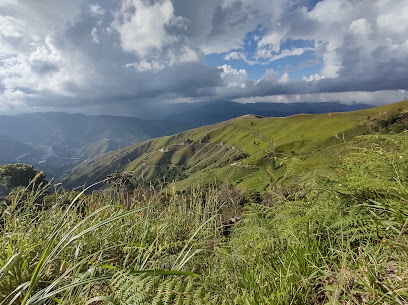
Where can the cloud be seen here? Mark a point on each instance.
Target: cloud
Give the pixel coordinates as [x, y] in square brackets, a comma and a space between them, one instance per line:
[284, 78]
[360, 45]
[348, 35]
[360, 97]
[269, 54]
[266, 55]
[31, 62]
[56, 53]
[85, 61]
[154, 33]
[236, 55]
[217, 26]
[142, 26]
[95, 37]
[313, 77]
[233, 77]
[96, 9]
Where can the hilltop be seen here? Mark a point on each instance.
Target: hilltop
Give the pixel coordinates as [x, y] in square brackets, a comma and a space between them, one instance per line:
[249, 152]
[212, 112]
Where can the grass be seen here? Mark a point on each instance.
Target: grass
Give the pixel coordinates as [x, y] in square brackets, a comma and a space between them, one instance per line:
[309, 209]
[67, 253]
[339, 243]
[335, 235]
[207, 152]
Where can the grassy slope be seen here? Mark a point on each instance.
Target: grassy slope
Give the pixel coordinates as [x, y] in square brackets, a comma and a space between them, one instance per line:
[249, 152]
[101, 146]
[339, 237]
[339, 234]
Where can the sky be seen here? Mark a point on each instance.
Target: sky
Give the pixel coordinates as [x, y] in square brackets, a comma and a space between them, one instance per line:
[114, 56]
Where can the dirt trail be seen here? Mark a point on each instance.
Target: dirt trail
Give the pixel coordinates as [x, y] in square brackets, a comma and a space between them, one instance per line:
[254, 132]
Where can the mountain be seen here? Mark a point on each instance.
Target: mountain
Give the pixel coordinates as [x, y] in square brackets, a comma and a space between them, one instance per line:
[101, 146]
[56, 141]
[250, 152]
[14, 150]
[212, 112]
[75, 130]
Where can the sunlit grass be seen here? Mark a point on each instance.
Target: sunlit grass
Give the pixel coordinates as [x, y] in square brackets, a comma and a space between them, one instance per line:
[336, 235]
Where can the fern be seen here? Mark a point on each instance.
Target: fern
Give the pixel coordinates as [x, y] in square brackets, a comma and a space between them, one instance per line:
[131, 289]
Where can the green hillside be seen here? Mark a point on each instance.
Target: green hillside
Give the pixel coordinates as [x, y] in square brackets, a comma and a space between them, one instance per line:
[249, 152]
[333, 231]
[101, 146]
[328, 226]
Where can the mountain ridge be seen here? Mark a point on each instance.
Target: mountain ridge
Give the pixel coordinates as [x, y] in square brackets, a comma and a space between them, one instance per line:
[55, 141]
[247, 146]
[212, 112]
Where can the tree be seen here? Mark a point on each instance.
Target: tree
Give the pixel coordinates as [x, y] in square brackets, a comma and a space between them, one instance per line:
[20, 174]
[125, 182]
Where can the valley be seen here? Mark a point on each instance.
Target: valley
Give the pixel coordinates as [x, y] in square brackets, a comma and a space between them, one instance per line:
[55, 142]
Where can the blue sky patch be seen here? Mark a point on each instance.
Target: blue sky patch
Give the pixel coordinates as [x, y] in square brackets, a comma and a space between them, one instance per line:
[297, 66]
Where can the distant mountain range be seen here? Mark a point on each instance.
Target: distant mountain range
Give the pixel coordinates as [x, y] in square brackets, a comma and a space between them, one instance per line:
[55, 142]
[205, 113]
[14, 150]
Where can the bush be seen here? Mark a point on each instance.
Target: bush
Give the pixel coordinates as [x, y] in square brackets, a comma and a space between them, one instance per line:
[19, 174]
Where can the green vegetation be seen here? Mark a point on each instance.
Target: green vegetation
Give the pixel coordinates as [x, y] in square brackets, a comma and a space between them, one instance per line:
[102, 146]
[319, 216]
[19, 174]
[249, 152]
[337, 235]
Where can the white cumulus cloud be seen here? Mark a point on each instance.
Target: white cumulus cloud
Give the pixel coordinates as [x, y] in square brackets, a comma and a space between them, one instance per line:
[142, 26]
[234, 77]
